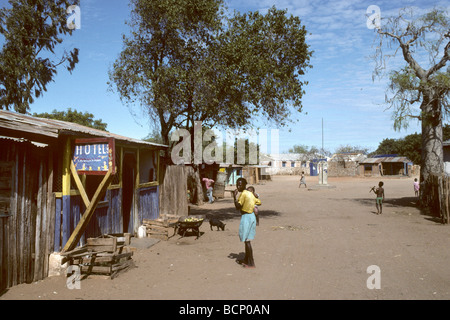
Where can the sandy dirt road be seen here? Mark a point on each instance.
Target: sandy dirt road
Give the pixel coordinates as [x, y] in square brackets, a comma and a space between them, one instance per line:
[310, 244]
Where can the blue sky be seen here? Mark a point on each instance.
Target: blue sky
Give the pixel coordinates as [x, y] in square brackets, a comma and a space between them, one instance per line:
[340, 90]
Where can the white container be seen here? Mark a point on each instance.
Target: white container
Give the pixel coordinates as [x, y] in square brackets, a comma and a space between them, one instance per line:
[142, 232]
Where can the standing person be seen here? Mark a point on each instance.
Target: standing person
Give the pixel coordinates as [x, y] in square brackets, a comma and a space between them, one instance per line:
[252, 190]
[380, 197]
[416, 187]
[302, 180]
[209, 188]
[247, 227]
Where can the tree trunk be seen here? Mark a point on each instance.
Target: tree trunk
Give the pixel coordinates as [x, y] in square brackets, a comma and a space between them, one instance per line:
[166, 141]
[432, 158]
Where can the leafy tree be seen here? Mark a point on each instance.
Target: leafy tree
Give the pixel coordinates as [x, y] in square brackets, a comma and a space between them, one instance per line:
[85, 119]
[184, 65]
[410, 146]
[387, 146]
[308, 153]
[419, 90]
[164, 58]
[351, 149]
[154, 137]
[31, 29]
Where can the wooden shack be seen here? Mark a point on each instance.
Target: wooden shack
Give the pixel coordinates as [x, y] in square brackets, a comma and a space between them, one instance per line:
[50, 202]
[385, 166]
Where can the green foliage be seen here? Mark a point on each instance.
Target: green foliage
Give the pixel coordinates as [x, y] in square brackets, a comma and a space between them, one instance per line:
[351, 149]
[31, 29]
[154, 137]
[262, 58]
[85, 119]
[414, 88]
[183, 64]
[410, 146]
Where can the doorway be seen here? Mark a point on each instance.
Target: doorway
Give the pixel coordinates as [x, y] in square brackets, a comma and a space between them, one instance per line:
[128, 180]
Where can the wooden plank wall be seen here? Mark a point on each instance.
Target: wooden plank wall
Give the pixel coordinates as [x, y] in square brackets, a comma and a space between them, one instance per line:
[32, 212]
[106, 219]
[173, 191]
[440, 190]
[148, 203]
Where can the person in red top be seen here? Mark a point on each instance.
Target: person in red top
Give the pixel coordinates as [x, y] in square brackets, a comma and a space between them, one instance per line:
[209, 188]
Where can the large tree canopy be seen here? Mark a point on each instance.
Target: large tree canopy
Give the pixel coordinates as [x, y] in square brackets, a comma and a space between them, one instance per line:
[420, 89]
[186, 61]
[31, 29]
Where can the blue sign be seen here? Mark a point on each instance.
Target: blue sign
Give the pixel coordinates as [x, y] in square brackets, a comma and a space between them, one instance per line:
[93, 156]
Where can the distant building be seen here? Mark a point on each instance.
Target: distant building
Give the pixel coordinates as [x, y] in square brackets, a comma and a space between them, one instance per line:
[345, 164]
[386, 166]
[285, 163]
[291, 163]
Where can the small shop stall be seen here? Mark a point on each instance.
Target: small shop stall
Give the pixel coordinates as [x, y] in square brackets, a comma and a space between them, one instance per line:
[62, 183]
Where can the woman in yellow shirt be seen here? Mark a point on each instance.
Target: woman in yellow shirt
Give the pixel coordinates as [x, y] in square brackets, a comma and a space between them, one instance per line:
[247, 227]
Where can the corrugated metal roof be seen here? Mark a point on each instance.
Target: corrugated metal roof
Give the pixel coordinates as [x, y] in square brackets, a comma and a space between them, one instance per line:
[37, 144]
[355, 157]
[386, 159]
[53, 128]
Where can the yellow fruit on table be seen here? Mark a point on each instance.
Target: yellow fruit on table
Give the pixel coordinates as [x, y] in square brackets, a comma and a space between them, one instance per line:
[192, 220]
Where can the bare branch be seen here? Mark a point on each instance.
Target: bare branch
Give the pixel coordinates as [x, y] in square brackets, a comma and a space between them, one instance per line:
[443, 61]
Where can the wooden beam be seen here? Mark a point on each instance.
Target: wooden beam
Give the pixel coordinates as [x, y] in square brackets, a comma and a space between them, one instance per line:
[66, 168]
[82, 224]
[79, 184]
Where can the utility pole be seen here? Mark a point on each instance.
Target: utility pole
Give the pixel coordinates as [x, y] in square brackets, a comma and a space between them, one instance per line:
[322, 136]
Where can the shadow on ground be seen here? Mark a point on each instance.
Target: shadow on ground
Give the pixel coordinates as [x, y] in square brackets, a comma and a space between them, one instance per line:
[405, 202]
[228, 213]
[237, 257]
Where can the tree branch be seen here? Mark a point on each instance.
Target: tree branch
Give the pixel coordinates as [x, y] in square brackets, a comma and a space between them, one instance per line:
[443, 61]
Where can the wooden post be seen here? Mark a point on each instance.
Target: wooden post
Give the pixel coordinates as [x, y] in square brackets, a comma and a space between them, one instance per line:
[82, 224]
[65, 206]
[79, 184]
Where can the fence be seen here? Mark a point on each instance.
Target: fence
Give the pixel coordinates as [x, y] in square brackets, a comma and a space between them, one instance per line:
[444, 193]
[441, 193]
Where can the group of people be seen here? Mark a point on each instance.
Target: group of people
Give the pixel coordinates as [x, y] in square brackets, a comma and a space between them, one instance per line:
[248, 201]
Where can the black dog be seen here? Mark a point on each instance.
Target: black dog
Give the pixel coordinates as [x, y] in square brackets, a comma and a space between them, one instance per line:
[216, 223]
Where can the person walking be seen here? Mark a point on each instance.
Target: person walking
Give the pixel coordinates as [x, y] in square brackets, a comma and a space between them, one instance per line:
[302, 180]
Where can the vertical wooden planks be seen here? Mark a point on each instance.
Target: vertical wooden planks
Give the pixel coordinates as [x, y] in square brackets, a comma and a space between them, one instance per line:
[38, 234]
[49, 214]
[58, 229]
